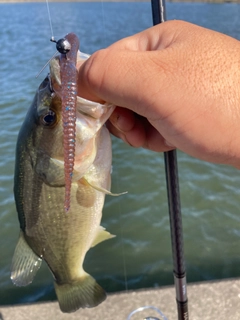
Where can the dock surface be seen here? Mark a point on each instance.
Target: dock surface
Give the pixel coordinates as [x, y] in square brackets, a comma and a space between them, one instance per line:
[218, 300]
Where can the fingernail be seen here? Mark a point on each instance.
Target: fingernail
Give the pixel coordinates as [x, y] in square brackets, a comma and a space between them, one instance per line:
[114, 119]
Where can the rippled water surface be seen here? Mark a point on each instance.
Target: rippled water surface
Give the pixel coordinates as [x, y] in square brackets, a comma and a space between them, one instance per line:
[140, 255]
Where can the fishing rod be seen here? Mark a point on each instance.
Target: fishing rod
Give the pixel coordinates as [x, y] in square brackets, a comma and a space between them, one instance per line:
[170, 159]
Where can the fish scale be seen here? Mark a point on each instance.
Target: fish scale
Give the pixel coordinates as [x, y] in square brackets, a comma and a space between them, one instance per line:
[47, 232]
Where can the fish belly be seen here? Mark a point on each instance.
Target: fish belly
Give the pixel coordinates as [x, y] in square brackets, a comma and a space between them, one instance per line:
[62, 238]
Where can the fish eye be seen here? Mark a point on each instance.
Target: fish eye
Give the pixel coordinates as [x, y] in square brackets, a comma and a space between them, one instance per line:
[49, 118]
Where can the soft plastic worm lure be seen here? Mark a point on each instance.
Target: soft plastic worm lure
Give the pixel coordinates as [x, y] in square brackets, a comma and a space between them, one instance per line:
[68, 47]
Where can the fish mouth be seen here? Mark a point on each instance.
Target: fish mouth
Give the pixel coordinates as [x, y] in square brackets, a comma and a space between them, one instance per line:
[54, 66]
[48, 104]
[54, 76]
[91, 109]
[84, 108]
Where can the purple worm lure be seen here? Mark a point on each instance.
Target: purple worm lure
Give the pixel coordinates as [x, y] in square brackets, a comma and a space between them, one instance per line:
[68, 47]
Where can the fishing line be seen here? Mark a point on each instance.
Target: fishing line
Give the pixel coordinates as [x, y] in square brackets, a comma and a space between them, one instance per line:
[123, 253]
[52, 39]
[104, 24]
[121, 239]
[124, 258]
[46, 64]
[50, 19]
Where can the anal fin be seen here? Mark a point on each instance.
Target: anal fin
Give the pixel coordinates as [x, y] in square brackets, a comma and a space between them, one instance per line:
[102, 235]
[25, 263]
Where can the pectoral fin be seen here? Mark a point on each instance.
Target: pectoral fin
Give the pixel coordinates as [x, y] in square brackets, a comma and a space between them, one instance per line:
[101, 189]
[102, 235]
[25, 263]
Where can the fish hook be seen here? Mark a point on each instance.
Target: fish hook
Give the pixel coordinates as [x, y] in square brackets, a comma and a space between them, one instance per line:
[63, 46]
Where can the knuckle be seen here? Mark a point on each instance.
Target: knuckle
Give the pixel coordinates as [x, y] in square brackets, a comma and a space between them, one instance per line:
[94, 75]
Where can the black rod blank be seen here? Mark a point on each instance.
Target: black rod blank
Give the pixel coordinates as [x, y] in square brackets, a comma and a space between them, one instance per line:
[179, 270]
[170, 158]
[158, 11]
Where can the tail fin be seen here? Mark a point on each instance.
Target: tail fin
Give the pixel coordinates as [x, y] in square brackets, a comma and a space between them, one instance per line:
[82, 293]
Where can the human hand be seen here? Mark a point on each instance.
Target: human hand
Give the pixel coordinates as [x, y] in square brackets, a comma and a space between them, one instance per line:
[176, 85]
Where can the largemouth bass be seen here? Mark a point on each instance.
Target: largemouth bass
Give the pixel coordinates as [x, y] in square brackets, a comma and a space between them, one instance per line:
[47, 231]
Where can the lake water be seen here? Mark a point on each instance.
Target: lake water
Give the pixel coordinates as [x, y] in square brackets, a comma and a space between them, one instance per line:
[140, 256]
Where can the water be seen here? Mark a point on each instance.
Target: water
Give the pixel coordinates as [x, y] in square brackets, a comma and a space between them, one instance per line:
[140, 255]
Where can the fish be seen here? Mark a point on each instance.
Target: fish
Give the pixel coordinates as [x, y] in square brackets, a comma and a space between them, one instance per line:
[47, 231]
